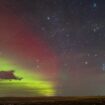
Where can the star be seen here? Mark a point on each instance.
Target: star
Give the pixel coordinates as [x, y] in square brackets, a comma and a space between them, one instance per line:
[103, 67]
[1, 53]
[95, 55]
[48, 18]
[37, 66]
[86, 62]
[65, 64]
[43, 28]
[37, 60]
[88, 54]
[94, 5]
[67, 35]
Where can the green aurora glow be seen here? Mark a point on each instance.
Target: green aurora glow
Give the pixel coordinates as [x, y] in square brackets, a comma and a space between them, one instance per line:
[30, 80]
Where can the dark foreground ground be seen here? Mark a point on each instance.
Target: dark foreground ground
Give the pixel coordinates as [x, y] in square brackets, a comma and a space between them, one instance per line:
[52, 101]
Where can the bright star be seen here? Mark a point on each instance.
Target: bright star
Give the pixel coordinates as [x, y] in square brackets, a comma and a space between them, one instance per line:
[94, 5]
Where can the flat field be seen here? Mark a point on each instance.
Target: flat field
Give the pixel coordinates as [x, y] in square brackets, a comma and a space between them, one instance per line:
[99, 100]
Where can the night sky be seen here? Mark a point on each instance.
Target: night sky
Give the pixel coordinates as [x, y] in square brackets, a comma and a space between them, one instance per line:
[57, 45]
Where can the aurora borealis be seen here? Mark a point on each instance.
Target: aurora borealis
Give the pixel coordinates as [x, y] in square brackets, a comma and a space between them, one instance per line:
[56, 46]
[28, 55]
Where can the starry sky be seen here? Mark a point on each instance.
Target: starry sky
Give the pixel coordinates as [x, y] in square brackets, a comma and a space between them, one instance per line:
[58, 44]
